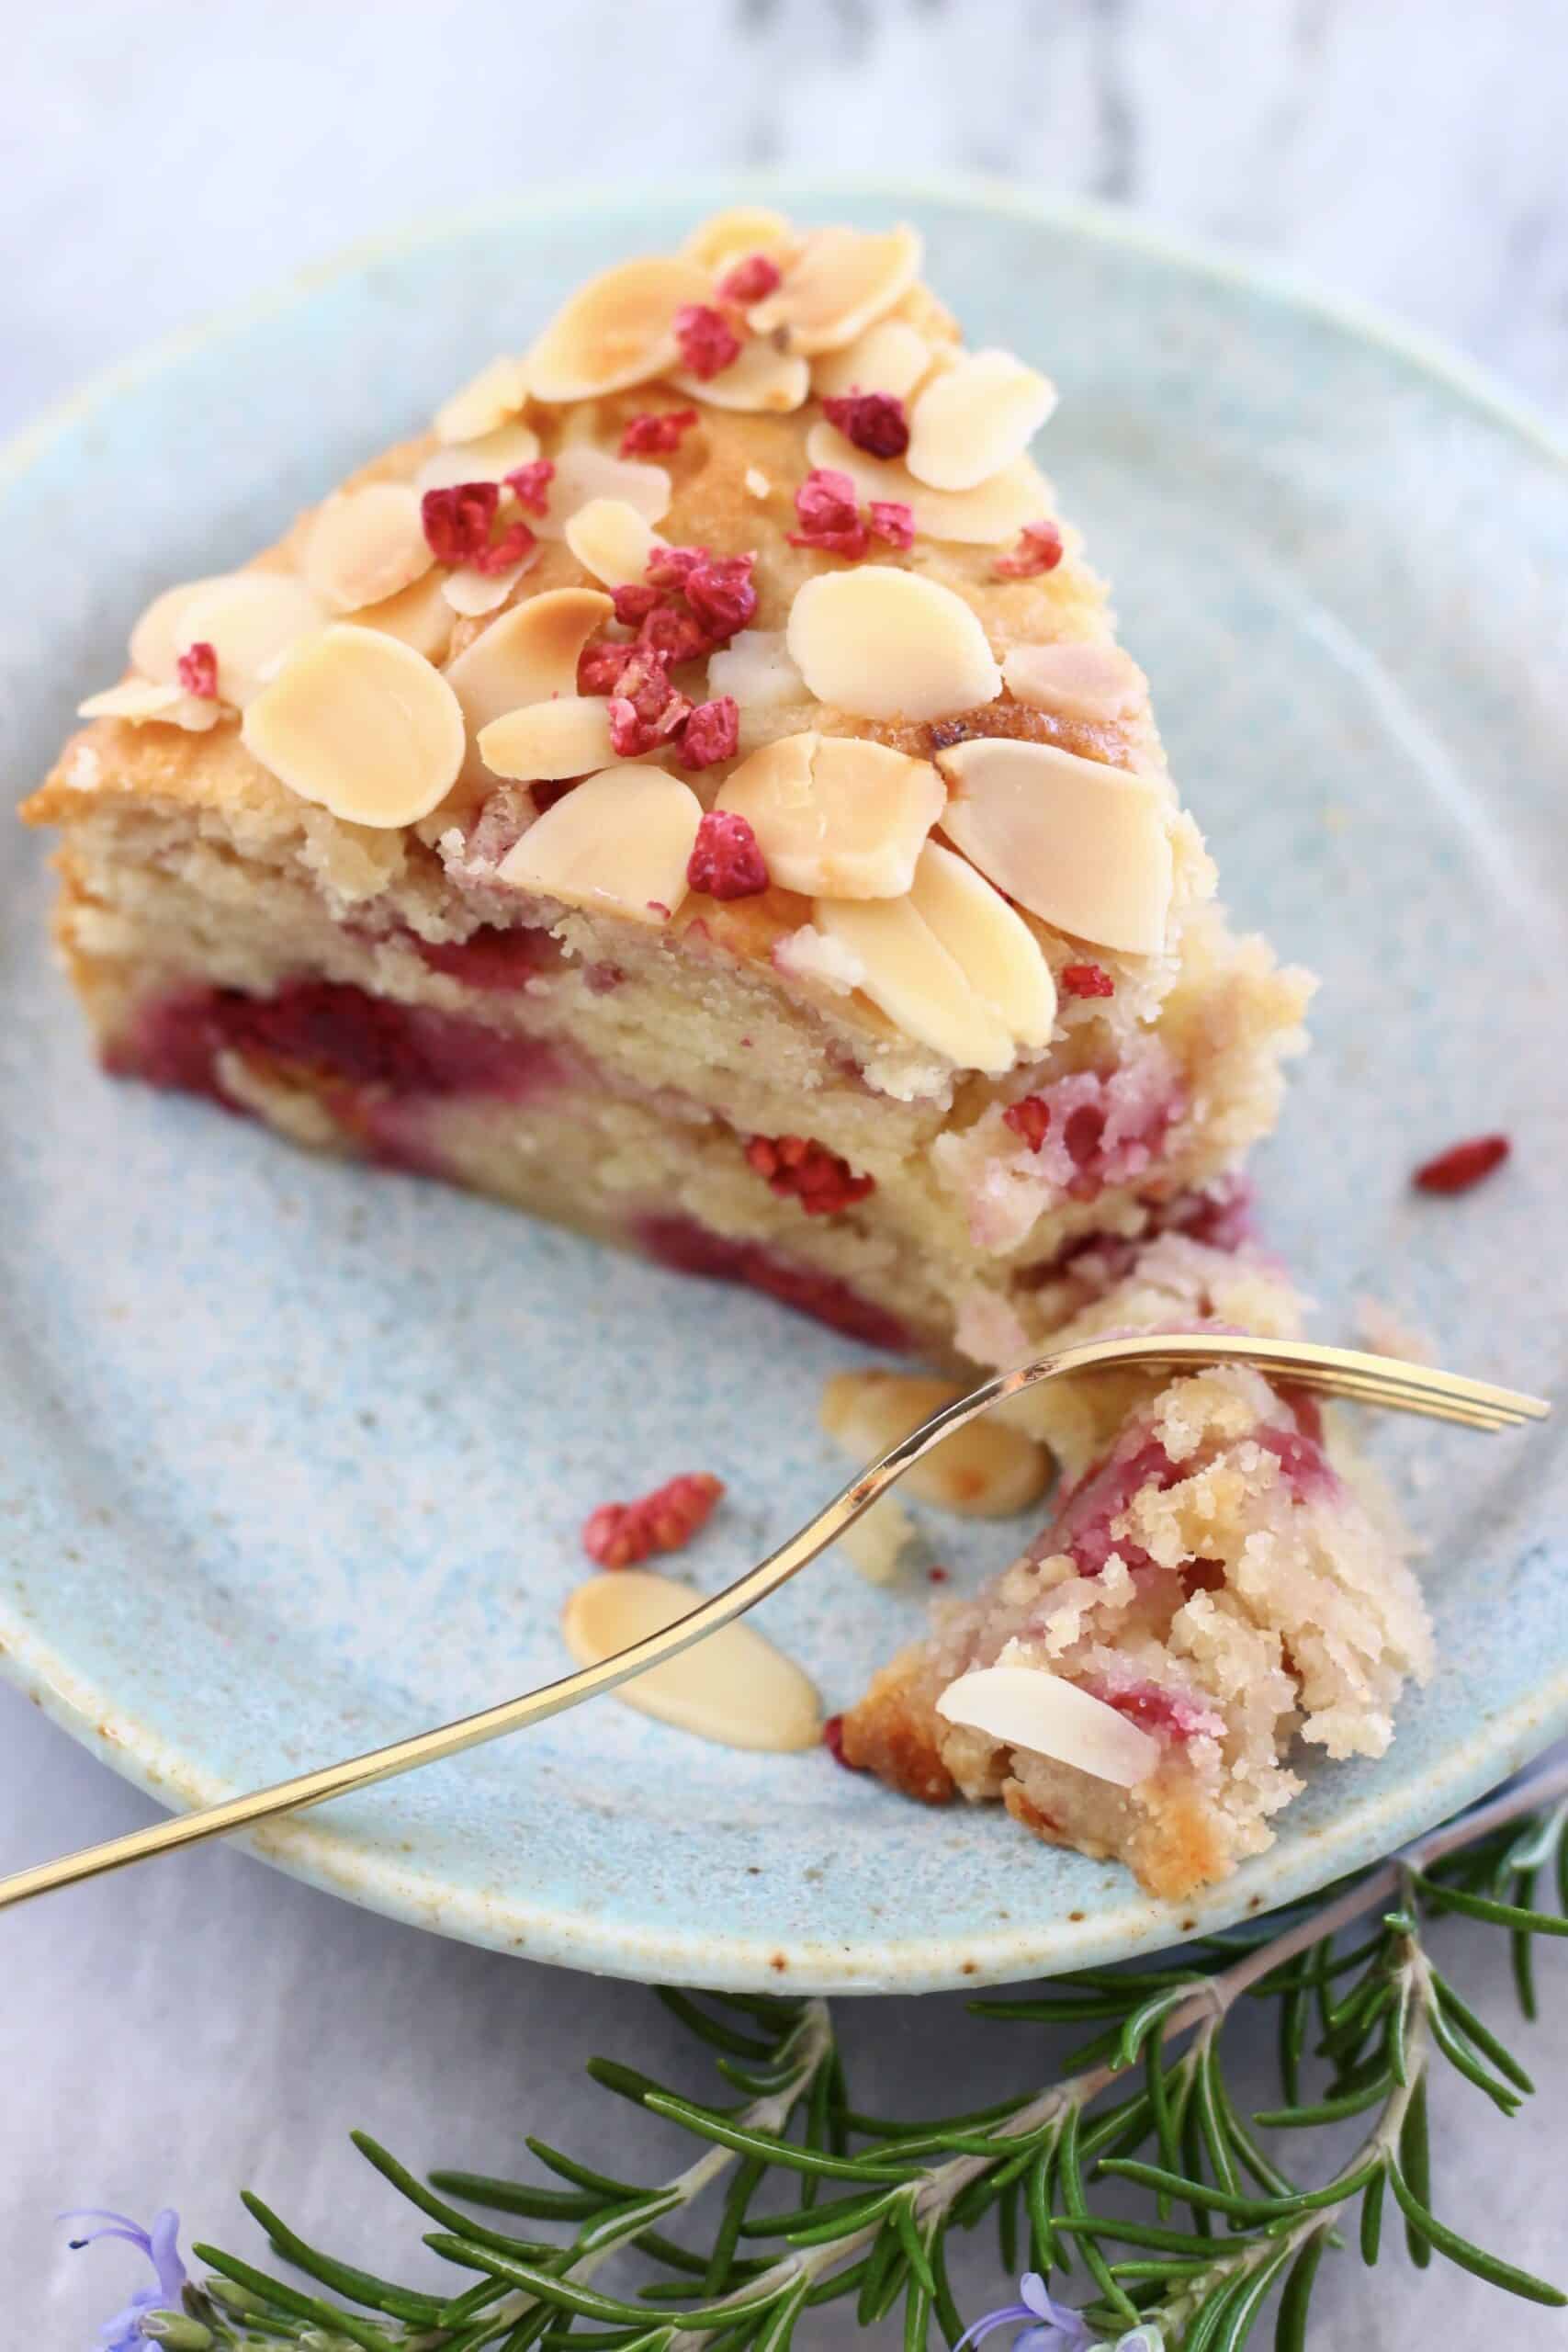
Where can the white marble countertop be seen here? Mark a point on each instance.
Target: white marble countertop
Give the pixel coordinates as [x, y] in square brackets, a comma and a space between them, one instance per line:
[207, 2024]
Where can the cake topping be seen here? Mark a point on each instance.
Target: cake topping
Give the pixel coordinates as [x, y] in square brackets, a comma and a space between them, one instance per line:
[906, 971]
[749, 281]
[366, 545]
[976, 417]
[1082, 846]
[359, 722]
[490, 457]
[1026, 1707]
[1075, 680]
[840, 280]
[830, 515]
[490, 399]
[619, 1534]
[987, 1470]
[755, 670]
[875, 422]
[612, 540]
[759, 380]
[1462, 1165]
[249, 618]
[584, 473]
[616, 331]
[456, 520]
[475, 589]
[797, 1168]
[529, 655]
[1086, 979]
[1039, 550]
[725, 862]
[618, 844]
[990, 941]
[837, 817]
[711, 733]
[888, 358]
[733, 1686]
[725, 237]
[547, 741]
[197, 670]
[718, 590]
[159, 636]
[654, 436]
[888, 644]
[142, 700]
[708, 342]
[988, 517]
[530, 484]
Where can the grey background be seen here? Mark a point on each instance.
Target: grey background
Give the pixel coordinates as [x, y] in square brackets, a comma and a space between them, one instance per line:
[172, 2035]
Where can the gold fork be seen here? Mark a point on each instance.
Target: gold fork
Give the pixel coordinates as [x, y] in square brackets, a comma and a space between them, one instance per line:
[1341, 1371]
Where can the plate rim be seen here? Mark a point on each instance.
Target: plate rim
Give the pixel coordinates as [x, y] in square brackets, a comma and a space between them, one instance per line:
[369, 1873]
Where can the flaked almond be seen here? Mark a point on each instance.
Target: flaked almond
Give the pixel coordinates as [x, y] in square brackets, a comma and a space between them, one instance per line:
[1026, 1707]
[975, 418]
[907, 972]
[472, 592]
[250, 619]
[878, 1542]
[364, 546]
[989, 517]
[585, 472]
[360, 723]
[835, 817]
[1076, 680]
[986, 1470]
[420, 614]
[529, 655]
[757, 483]
[990, 941]
[836, 285]
[485, 403]
[158, 639]
[1082, 846]
[732, 1687]
[888, 644]
[618, 844]
[612, 540]
[142, 701]
[745, 228]
[616, 331]
[809, 955]
[888, 358]
[755, 670]
[761, 381]
[489, 457]
[547, 741]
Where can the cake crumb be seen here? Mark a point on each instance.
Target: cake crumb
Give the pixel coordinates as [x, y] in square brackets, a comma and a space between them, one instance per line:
[620, 1534]
[878, 1540]
[1381, 1328]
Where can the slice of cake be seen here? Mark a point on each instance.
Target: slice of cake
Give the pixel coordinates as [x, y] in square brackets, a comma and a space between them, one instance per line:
[693, 793]
[1211, 1586]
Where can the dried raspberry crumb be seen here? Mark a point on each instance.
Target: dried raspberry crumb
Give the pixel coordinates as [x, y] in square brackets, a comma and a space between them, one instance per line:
[633, 729]
[825, 503]
[530, 484]
[1030, 1119]
[708, 343]
[1462, 1165]
[1086, 979]
[650, 435]
[456, 520]
[719, 592]
[673, 636]
[599, 666]
[619, 1534]
[725, 862]
[198, 670]
[893, 520]
[634, 600]
[936, 1575]
[1039, 550]
[796, 1166]
[875, 422]
[515, 542]
[833, 1741]
[750, 279]
[712, 733]
[673, 567]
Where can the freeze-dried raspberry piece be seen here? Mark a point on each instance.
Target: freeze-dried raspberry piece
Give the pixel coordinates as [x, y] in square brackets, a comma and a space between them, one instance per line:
[892, 519]
[749, 279]
[515, 542]
[673, 567]
[530, 484]
[619, 1534]
[796, 1166]
[1039, 550]
[712, 733]
[673, 635]
[875, 422]
[1462, 1165]
[198, 669]
[1086, 979]
[830, 519]
[634, 600]
[708, 343]
[725, 860]
[600, 665]
[645, 709]
[1030, 1119]
[456, 520]
[650, 435]
[720, 595]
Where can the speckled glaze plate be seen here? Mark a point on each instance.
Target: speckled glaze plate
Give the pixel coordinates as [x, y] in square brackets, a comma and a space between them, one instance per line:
[295, 1456]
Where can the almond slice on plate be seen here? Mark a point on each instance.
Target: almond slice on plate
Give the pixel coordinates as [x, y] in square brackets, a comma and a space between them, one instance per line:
[1076, 680]
[836, 285]
[612, 540]
[975, 418]
[491, 456]
[733, 1686]
[1025, 1707]
[986, 1470]
[762, 380]
[586, 472]
[991, 515]
[158, 640]
[250, 619]
[142, 701]
[888, 358]
[529, 655]
[907, 973]
[364, 546]
[360, 723]
[485, 403]
[616, 331]
[546, 740]
[755, 669]
[990, 941]
[1083, 846]
[618, 844]
[419, 613]
[728, 237]
[835, 817]
[883, 643]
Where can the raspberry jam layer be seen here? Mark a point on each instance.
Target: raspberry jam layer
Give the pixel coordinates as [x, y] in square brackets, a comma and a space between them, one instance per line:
[688, 1247]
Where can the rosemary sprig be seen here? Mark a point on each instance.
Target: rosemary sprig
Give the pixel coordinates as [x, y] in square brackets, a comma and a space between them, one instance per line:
[821, 2201]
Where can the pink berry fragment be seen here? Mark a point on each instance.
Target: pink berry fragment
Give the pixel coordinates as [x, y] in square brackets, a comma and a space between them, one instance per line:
[1086, 979]
[1462, 1165]
[620, 1534]
[198, 671]
[1039, 550]
[650, 435]
[456, 520]
[750, 279]
[530, 484]
[892, 519]
[708, 343]
[833, 1741]
[727, 861]
[1030, 1119]
[515, 543]
[712, 733]
[875, 422]
[830, 519]
[798, 1168]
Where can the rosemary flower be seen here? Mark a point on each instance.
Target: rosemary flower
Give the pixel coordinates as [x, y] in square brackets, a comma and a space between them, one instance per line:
[124, 2332]
[1057, 2327]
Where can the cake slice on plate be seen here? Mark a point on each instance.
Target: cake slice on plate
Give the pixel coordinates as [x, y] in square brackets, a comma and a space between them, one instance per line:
[694, 793]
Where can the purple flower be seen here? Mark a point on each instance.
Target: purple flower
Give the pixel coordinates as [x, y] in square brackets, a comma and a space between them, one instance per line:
[1057, 2327]
[123, 2333]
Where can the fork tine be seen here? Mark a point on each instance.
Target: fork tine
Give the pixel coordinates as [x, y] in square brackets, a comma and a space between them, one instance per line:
[1345, 1372]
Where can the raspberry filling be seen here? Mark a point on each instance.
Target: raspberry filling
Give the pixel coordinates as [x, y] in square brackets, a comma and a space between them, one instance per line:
[795, 1167]
[1170, 1714]
[688, 1247]
[1083, 1525]
[492, 957]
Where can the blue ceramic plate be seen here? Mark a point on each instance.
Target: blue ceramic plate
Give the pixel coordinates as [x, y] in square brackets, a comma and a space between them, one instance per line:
[295, 1456]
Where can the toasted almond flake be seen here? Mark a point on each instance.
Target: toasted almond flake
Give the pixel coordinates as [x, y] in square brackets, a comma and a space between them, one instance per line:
[732, 1687]
[419, 613]
[755, 669]
[616, 331]
[986, 1471]
[991, 515]
[1076, 680]
[975, 418]
[473, 593]
[911, 976]
[547, 741]
[612, 540]
[990, 941]
[727, 237]
[529, 655]
[835, 817]
[840, 280]
[140, 701]
[490, 457]
[158, 639]
[250, 619]
[485, 403]
[763, 381]
[878, 1543]
[364, 546]
[1082, 846]
[888, 358]
[757, 483]
[888, 644]
[619, 844]
[585, 472]
[809, 955]
[360, 723]
[1026, 1707]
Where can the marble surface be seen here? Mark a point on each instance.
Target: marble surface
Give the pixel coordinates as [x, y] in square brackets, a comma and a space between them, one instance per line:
[204, 2025]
